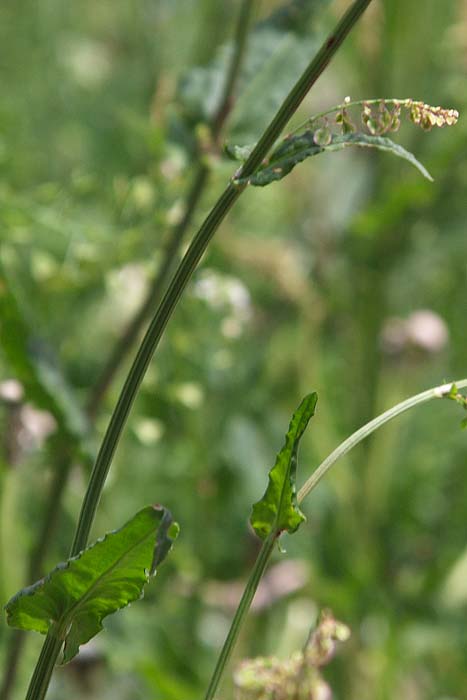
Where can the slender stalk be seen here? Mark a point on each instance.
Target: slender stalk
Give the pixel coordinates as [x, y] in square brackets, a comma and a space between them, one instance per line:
[43, 672]
[303, 85]
[437, 392]
[182, 276]
[241, 612]
[141, 362]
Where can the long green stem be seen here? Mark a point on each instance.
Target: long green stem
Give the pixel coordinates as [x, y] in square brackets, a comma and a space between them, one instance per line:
[241, 612]
[183, 274]
[44, 668]
[357, 437]
[127, 340]
[141, 362]
[240, 39]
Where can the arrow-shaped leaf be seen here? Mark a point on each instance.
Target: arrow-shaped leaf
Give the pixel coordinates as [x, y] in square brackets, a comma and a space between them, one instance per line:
[77, 595]
[296, 148]
[278, 510]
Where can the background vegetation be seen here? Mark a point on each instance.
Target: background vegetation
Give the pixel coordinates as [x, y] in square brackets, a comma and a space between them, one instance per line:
[314, 283]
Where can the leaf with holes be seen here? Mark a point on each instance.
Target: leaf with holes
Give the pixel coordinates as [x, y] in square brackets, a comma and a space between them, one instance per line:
[297, 148]
[278, 511]
[71, 602]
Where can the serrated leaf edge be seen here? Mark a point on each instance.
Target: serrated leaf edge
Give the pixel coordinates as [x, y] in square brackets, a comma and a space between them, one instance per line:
[162, 541]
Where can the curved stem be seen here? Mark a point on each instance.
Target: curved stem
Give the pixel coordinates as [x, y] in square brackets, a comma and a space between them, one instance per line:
[182, 276]
[437, 392]
[241, 612]
[443, 391]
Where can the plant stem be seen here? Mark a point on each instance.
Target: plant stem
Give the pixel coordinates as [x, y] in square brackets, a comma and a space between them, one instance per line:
[181, 278]
[141, 362]
[437, 392]
[44, 668]
[240, 37]
[248, 594]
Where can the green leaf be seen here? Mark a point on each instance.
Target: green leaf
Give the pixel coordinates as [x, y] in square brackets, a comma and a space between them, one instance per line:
[77, 595]
[296, 148]
[278, 510]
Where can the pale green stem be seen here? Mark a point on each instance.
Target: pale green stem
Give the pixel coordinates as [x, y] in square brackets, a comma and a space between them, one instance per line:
[437, 392]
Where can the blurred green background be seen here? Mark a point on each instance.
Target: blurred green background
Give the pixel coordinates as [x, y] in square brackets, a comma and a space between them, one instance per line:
[348, 278]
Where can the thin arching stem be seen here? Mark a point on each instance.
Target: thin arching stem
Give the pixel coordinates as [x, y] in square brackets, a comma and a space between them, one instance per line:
[437, 392]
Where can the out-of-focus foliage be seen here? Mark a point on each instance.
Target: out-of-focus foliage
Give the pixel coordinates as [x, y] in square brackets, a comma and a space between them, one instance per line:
[298, 677]
[348, 278]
